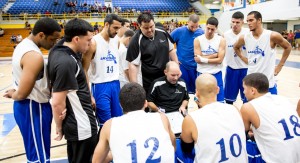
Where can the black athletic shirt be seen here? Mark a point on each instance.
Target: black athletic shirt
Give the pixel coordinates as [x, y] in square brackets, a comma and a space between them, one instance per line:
[152, 53]
[66, 74]
[166, 95]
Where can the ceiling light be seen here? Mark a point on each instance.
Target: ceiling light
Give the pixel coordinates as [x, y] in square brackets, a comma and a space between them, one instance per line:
[216, 2]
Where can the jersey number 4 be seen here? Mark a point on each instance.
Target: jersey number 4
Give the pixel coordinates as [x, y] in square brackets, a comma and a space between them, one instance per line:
[150, 159]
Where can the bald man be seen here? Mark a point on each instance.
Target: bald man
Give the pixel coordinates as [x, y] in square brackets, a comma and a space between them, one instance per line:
[216, 131]
[168, 93]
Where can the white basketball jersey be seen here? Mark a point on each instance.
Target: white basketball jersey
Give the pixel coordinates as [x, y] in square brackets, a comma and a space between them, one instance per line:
[221, 134]
[123, 63]
[261, 57]
[140, 137]
[278, 136]
[40, 92]
[232, 60]
[105, 65]
[209, 47]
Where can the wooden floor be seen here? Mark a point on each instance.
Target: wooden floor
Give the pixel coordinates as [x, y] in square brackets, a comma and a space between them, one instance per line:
[11, 144]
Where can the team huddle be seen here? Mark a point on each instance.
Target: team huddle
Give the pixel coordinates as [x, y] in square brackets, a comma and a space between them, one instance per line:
[109, 93]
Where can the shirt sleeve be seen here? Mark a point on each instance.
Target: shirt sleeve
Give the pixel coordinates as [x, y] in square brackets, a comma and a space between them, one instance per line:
[152, 93]
[133, 51]
[174, 35]
[63, 74]
[124, 62]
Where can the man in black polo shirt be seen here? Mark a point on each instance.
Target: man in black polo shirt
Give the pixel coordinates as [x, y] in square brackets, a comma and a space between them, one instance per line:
[151, 48]
[169, 93]
[70, 90]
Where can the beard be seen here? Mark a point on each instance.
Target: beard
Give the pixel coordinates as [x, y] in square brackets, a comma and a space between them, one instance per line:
[111, 35]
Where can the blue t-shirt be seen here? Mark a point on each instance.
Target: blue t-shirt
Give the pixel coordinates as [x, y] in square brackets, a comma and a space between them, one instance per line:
[184, 40]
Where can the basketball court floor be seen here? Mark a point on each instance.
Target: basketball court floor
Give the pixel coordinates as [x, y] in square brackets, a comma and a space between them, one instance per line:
[11, 143]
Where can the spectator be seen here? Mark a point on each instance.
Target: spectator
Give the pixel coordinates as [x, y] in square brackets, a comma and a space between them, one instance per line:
[27, 25]
[1, 32]
[19, 38]
[13, 39]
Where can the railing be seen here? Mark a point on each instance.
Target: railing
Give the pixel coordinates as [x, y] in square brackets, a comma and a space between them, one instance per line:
[25, 17]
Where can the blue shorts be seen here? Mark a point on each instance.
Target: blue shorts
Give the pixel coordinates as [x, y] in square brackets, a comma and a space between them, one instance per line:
[189, 76]
[34, 121]
[273, 90]
[234, 84]
[253, 152]
[107, 100]
[218, 76]
[180, 156]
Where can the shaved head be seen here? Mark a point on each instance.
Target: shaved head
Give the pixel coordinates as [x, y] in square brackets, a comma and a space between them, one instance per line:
[172, 65]
[206, 86]
[172, 72]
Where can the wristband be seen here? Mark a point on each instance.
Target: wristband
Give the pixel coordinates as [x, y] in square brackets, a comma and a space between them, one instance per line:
[203, 60]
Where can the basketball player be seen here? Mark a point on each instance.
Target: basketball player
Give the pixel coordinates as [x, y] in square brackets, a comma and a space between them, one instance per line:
[123, 63]
[273, 120]
[103, 58]
[236, 69]
[184, 38]
[31, 95]
[136, 136]
[209, 52]
[229, 142]
[260, 45]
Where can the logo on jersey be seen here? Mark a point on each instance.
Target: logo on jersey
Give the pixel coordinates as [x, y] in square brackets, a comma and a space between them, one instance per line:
[161, 41]
[178, 91]
[257, 51]
[210, 50]
[109, 57]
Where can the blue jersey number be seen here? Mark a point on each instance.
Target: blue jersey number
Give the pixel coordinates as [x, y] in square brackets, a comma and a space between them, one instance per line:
[231, 145]
[295, 122]
[146, 145]
[109, 69]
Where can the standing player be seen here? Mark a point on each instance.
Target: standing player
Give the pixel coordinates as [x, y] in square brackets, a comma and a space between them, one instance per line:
[184, 38]
[70, 90]
[209, 52]
[136, 136]
[123, 63]
[103, 58]
[273, 120]
[31, 95]
[260, 45]
[236, 69]
[229, 142]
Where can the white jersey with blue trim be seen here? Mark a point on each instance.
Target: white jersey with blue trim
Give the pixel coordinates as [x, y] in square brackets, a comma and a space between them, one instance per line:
[140, 137]
[209, 47]
[40, 92]
[232, 60]
[221, 134]
[278, 135]
[261, 57]
[105, 65]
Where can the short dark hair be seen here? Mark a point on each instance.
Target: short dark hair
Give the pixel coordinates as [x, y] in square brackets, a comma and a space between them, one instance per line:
[77, 27]
[258, 81]
[128, 33]
[124, 21]
[145, 17]
[132, 97]
[46, 25]
[212, 21]
[257, 15]
[111, 17]
[238, 15]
